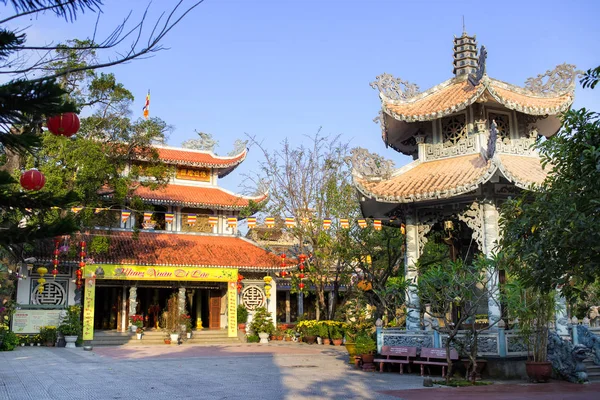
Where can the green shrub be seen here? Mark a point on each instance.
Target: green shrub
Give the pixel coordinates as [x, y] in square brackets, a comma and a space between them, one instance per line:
[365, 344]
[262, 322]
[48, 334]
[242, 314]
[253, 339]
[10, 341]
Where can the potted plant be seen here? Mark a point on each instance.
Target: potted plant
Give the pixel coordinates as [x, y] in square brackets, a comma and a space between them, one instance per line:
[289, 334]
[170, 319]
[337, 334]
[242, 316]
[136, 321]
[48, 335]
[70, 326]
[309, 330]
[186, 323]
[324, 332]
[139, 332]
[534, 311]
[262, 324]
[365, 346]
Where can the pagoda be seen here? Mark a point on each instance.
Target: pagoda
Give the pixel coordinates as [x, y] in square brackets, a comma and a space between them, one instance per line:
[185, 243]
[471, 140]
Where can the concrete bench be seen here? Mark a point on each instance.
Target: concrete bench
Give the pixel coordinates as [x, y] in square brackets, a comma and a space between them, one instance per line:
[396, 355]
[431, 356]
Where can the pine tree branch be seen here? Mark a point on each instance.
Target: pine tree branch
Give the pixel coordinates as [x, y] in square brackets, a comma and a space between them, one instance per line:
[67, 8]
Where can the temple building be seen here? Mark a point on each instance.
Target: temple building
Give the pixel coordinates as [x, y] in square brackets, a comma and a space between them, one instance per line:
[471, 140]
[185, 242]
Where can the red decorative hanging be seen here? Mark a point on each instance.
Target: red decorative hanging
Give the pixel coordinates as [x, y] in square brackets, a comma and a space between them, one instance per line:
[32, 180]
[301, 285]
[79, 272]
[55, 261]
[283, 273]
[66, 124]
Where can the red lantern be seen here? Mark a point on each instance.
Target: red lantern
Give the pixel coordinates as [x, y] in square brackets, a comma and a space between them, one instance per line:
[82, 253]
[301, 275]
[55, 262]
[66, 124]
[55, 272]
[78, 273]
[81, 264]
[32, 180]
[283, 274]
[302, 257]
[301, 285]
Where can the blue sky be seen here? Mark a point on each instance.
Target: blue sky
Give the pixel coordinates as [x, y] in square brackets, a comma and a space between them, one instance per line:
[283, 68]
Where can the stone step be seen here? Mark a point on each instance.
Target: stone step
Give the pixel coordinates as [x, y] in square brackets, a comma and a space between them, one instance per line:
[114, 338]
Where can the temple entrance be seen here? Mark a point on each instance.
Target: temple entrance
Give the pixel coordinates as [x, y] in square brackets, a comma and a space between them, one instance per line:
[107, 310]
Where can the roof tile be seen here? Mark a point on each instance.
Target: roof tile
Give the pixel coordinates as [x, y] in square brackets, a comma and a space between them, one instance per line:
[195, 196]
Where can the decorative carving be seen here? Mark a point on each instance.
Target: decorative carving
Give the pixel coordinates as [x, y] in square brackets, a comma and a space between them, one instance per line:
[55, 293]
[379, 119]
[566, 359]
[553, 82]
[238, 147]
[427, 218]
[454, 129]
[370, 164]
[440, 150]
[407, 340]
[475, 78]
[523, 147]
[394, 88]
[491, 148]
[525, 124]
[253, 297]
[502, 124]
[133, 300]
[473, 218]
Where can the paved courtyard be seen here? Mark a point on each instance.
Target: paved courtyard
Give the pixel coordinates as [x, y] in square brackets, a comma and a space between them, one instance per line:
[243, 371]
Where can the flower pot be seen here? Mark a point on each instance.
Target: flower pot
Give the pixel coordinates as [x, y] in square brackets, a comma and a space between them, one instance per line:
[139, 336]
[337, 342]
[241, 326]
[310, 339]
[319, 340]
[367, 358]
[70, 341]
[326, 342]
[264, 337]
[288, 338]
[167, 341]
[189, 335]
[22, 344]
[280, 337]
[39, 344]
[174, 337]
[31, 344]
[49, 344]
[538, 371]
[133, 328]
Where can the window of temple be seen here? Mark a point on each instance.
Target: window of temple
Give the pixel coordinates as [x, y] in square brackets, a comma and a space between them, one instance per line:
[502, 124]
[200, 225]
[454, 129]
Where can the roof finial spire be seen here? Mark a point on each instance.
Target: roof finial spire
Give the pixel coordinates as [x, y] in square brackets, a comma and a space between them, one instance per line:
[464, 30]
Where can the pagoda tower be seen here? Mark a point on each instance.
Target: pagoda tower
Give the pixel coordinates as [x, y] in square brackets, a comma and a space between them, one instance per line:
[471, 140]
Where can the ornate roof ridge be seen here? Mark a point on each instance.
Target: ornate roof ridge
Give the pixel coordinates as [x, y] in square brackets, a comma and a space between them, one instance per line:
[421, 95]
[197, 151]
[529, 92]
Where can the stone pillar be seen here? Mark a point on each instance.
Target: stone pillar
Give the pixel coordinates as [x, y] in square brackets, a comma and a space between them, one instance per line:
[181, 300]
[562, 320]
[288, 308]
[490, 236]
[501, 338]
[330, 303]
[413, 318]
[132, 300]
[379, 332]
[272, 308]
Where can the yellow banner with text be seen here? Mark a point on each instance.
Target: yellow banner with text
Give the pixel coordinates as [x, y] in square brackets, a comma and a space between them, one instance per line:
[160, 273]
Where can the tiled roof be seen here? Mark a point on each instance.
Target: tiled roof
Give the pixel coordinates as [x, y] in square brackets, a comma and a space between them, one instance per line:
[455, 95]
[177, 249]
[449, 96]
[195, 196]
[198, 158]
[523, 171]
[451, 177]
[435, 179]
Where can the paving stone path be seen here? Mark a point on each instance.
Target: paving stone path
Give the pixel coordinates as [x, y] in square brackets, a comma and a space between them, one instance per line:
[238, 371]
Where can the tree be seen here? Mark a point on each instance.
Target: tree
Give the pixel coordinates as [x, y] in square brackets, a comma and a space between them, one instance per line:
[312, 183]
[453, 293]
[377, 258]
[550, 234]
